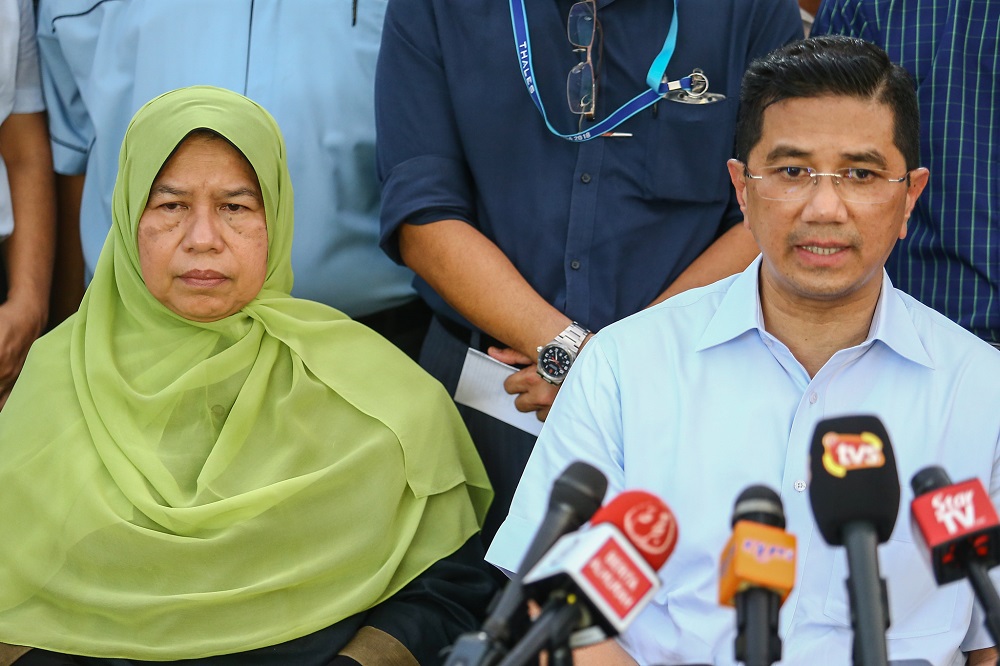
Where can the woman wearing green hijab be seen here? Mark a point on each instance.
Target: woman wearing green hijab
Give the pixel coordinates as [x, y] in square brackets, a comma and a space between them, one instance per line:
[198, 466]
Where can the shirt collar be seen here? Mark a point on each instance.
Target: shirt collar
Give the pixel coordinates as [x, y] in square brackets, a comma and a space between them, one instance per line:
[739, 312]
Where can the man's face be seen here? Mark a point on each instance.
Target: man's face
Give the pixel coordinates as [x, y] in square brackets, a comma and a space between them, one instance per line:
[822, 251]
[203, 236]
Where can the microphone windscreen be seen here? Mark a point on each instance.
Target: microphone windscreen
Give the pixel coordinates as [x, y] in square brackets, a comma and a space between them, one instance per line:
[575, 496]
[853, 477]
[928, 479]
[645, 521]
[582, 486]
[759, 504]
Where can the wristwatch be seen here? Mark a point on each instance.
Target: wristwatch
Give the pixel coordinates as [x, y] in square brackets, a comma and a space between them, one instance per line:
[555, 358]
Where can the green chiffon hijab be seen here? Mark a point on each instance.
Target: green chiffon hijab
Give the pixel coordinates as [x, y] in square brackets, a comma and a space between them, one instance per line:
[172, 489]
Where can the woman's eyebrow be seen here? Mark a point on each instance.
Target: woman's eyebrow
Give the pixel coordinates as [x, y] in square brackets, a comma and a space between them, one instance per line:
[168, 190]
[242, 192]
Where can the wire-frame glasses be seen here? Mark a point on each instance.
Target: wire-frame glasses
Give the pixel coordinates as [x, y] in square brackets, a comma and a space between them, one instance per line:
[853, 184]
[581, 83]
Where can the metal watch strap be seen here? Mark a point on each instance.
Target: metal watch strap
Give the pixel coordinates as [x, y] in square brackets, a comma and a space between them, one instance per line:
[572, 336]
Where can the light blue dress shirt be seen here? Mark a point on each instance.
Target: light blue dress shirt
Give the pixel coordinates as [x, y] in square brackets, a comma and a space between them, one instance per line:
[694, 401]
[300, 59]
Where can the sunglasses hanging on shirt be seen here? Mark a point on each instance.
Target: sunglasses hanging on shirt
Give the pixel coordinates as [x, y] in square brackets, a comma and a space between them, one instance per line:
[581, 84]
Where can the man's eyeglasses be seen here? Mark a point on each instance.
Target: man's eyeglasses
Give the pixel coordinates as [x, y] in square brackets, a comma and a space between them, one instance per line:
[581, 85]
[853, 184]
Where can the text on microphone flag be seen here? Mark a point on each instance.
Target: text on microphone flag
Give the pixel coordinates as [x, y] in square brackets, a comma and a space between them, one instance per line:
[843, 452]
[959, 509]
[757, 555]
[616, 578]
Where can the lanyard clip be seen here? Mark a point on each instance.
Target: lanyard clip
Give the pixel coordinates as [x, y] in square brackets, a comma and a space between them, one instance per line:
[691, 89]
[694, 84]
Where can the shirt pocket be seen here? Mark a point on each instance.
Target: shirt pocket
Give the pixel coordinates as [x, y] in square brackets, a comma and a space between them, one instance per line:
[917, 606]
[687, 151]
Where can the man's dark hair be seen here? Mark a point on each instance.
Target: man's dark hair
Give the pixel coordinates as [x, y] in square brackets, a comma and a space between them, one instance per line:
[829, 65]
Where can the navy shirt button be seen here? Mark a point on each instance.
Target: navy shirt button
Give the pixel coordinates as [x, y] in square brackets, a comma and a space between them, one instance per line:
[575, 265]
[585, 178]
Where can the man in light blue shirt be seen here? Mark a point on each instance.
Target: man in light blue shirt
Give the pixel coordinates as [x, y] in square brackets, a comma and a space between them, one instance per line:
[302, 60]
[721, 387]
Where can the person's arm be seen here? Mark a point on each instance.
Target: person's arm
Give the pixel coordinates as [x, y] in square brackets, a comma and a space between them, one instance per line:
[68, 274]
[608, 653]
[729, 254]
[29, 251]
[985, 657]
[471, 273]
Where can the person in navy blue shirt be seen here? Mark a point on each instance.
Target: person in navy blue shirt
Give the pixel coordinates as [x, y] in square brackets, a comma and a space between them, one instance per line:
[951, 259]
[516, 230]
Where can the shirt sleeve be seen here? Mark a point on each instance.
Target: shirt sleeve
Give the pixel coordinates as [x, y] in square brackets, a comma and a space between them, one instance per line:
[420, 162]
[28, 90]
[584, 425]
[70, 126]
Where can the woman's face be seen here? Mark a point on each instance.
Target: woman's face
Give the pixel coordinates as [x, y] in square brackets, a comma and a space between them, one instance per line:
[203, 235]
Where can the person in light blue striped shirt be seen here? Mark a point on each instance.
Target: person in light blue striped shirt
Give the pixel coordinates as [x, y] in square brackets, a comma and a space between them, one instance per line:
[951, 259]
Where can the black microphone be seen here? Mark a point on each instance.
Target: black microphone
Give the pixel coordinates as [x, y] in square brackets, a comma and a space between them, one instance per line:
[594, 582]
[575, 496]
[854, 494]
[757, 571]
[958, 523]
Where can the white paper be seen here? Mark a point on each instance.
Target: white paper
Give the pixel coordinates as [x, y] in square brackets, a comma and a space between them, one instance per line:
[480, 386]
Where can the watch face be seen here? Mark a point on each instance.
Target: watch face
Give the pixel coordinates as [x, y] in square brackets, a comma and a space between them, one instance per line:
[554, 361]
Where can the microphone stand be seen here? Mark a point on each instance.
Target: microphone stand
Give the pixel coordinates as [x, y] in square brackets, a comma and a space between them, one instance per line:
[757, 642]
[552, 629]
[987, 595]
[869, 614]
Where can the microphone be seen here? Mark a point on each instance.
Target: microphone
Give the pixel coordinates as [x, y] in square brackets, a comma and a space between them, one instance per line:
[757, 571]
[575, 496]
[959, 525]
[596, 581]
[854, 494]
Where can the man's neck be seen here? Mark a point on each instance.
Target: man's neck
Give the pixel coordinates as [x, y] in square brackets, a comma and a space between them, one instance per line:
[815, 331]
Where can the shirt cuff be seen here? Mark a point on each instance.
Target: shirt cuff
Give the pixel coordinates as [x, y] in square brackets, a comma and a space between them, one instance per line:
[372, 646]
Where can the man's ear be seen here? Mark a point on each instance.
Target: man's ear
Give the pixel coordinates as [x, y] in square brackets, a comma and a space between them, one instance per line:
[737, 175]
[917, 183]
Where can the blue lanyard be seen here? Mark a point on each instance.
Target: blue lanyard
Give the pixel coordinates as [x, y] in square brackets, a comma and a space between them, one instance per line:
[655, 78]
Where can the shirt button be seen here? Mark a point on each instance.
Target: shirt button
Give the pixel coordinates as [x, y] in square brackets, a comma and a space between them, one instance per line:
[799, 485]
[813, 398]
[575, 265]
[585, 178]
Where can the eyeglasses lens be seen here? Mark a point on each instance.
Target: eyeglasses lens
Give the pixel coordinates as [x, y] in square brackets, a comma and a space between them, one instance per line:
[580, 25]
[580, 85]
[853, 185]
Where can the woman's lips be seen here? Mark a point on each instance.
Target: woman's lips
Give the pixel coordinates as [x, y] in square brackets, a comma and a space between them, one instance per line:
[200, 278]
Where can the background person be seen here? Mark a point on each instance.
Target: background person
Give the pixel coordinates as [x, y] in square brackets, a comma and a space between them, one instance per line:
[519, 235]
[722, 387]
[951, 257]
[198, 466]
[27, 194]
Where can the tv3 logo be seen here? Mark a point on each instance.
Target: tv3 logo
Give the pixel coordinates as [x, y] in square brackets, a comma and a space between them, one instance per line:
[954, 510]
[843, 452]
